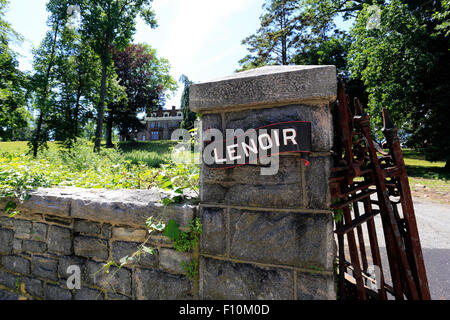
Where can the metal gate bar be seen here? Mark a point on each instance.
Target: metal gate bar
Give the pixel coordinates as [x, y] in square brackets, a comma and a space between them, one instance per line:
[359, 173]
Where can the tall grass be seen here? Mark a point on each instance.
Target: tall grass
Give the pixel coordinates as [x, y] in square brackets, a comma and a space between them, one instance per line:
[151, 153]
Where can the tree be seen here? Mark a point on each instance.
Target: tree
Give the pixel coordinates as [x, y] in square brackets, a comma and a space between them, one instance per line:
[291, 29]
[332, 51]
[276, 37]
[43, 65]
[304, 32]
[145, 78]
[188, 115]
[106, 24]
[77, 72]
[13, 83]
[404, 64]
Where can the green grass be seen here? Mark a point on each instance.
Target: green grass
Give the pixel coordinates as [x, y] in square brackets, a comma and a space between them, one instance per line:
[152, 153]
[418, 167]
[20, 147]
[110, 169]
[426, 173]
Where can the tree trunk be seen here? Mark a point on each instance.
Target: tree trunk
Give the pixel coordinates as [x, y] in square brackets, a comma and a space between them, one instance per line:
[36, 140]
[101, 107]
[109, 127]
[76, 114]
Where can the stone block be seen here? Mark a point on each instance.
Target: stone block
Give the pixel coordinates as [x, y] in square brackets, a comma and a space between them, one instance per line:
[294, 239]
[8, 295]
[224, 280]
[214, 237]
[8, 280]
[315, 286]
[121, 249]
[266, 86]
[117, 280]
[89, 294]
[22, 229]
[271, 196]
[91, 247]
[44, 267]
[33, 287]
[160, 240]
[34, 246]
[87, 227]
[211, 121]
[129, 234]
[48, 201]
[39, 231]
[6, 241]
[288, 173]
[16, 264]
[6, 222]
[172, 260]
[17, 245]
[127, 207]
[317, 190]
[53, 292]
[66, 262]
[60, 240]
[157, 285]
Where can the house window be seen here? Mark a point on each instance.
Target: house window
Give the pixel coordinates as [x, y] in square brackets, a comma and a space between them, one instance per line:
[143, 138]
[153, 124]
[155, 135]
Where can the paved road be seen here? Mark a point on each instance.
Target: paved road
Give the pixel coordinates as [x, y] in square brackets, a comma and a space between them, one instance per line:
[433, 222]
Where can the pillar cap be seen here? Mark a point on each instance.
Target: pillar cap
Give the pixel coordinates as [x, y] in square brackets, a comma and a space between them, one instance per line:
[265, 87]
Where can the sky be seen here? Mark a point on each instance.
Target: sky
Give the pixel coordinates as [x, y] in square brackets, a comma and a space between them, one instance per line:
[200, 38]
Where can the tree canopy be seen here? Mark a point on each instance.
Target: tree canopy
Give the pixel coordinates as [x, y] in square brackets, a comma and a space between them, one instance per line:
[145, 78]
[108, 24]
[396, 55]
[14, 116]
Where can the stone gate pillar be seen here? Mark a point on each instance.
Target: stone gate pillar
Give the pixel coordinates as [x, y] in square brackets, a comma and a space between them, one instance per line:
[268, 237]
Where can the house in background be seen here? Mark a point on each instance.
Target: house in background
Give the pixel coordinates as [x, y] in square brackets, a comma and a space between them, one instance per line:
[159, 125]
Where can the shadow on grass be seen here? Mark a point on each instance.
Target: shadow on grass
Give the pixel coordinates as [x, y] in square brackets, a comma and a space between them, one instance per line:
[418, 167]
[427, 172]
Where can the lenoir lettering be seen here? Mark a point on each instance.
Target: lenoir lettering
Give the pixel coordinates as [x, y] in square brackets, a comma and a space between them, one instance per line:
[263, 141]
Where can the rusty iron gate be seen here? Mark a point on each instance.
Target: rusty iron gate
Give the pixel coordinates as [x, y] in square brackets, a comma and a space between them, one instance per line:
[362, 169]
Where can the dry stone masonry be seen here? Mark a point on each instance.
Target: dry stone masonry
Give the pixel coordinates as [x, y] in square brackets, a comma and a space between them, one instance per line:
[268, 237]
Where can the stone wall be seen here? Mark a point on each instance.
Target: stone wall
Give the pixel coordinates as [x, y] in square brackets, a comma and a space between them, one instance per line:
[268, 237]
[58, 228]
[264, 237]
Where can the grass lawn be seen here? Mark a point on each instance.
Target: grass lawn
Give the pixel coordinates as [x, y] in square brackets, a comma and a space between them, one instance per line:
[427, 179]
[152, 153]
[20, 147]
